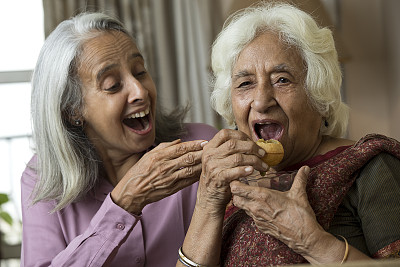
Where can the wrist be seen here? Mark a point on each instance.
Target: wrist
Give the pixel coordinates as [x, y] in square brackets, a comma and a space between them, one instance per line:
[126, 202]
[189, 263]
[328, 249]
[211, 205]
[210, 209]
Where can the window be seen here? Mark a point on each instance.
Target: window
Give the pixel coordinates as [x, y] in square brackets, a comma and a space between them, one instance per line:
[22, 34]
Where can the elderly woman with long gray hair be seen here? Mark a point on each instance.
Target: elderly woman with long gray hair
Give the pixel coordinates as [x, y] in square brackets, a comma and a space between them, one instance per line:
[277, 76]
[112, 182]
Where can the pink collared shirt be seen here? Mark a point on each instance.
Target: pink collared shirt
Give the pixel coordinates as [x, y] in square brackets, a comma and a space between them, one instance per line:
[96, 232]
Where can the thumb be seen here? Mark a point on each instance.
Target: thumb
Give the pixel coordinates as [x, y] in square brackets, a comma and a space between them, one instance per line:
[300, 180]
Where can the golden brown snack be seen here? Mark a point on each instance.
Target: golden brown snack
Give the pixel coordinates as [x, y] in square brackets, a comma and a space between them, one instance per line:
[274, 151]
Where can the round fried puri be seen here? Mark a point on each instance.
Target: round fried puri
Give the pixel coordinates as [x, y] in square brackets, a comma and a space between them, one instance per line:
[274, 151]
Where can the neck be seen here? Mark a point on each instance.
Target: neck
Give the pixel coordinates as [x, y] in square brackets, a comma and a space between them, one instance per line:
[117, 169]
[329, 143]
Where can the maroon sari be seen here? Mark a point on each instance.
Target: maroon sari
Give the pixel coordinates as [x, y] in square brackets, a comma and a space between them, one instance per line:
[331, 177]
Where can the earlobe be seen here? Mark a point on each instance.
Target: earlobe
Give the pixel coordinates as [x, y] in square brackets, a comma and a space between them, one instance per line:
[76, 120]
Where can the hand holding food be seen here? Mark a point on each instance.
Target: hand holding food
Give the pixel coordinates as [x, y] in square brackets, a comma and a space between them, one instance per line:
[166, 169]
[274, 151]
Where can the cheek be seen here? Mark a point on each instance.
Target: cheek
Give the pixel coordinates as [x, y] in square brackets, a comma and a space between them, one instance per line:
[241, 109]
[238, 107]
[306, 120]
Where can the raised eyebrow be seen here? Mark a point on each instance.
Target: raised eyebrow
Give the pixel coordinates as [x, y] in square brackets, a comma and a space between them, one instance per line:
[104, 70]
[111, 66]
[136, 55]
[240, 74]
[283, 68]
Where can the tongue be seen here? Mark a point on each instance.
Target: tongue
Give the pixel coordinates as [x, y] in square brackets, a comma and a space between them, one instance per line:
[137, 124]
[269, 131]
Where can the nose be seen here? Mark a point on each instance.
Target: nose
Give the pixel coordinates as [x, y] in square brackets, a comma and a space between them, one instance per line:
[137, 92]
[263, 97]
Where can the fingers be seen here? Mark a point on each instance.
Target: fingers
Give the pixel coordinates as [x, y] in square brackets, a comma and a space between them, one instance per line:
[232, 141]
[176, 155]
[177, 148]
[231, 149]
[299, 186]
[225, 135]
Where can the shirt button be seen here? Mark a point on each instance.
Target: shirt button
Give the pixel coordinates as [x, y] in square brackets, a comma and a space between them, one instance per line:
[138, 259]
[120, 226]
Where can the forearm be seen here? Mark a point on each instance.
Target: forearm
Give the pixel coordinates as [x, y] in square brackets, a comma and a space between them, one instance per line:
[330, 249]
[45, 243]
[203, 240]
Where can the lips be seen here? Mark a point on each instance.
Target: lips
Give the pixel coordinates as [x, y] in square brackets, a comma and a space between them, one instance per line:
[268, 130]
[139, 122]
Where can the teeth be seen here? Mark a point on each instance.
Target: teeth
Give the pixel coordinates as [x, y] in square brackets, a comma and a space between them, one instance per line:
[140, 114]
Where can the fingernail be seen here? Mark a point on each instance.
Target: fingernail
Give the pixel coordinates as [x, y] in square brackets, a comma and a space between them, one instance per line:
[307, 170]
[265, 165]
[202, 144]
[249, 169]
[261, 152]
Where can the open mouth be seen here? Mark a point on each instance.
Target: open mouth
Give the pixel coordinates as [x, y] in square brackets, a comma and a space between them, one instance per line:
[268, 130]
[139, 122]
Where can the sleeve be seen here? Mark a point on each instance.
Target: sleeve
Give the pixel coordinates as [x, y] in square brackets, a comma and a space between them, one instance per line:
[378, 205]
[199, 131]
[44, 243]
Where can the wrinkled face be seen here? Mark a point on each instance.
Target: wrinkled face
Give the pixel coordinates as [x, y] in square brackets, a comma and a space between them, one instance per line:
[119, 96]
[269, 100]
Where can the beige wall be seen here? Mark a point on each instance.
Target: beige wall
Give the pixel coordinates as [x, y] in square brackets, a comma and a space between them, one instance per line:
[392, 40]
[370, 31]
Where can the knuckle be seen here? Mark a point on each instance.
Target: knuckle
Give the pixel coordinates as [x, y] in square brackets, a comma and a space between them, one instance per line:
[189, 171]
[237, 158]
[224, 133]
[231, 144]
[189, 159]
[153, 157]
[181, 149]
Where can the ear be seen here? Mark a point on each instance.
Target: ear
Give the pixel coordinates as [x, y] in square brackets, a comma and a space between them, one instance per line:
[76, 119]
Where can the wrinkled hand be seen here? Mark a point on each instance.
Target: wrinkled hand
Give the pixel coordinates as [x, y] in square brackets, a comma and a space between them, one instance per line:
[229, 156]
[287, 216]
[161, 172]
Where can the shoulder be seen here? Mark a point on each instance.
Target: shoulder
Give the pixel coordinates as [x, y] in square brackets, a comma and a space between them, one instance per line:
[329, 143]
[29, 175]
[199, 131]
[380, 174]
[382, 165]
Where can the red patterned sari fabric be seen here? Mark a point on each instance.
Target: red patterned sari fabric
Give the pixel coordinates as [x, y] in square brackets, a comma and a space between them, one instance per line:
[331, 177]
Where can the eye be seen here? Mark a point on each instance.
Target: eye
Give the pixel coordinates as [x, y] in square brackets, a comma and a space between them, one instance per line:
[283, 80]
[244, 84]
[138, 69]
[115, 87]
[140, 74]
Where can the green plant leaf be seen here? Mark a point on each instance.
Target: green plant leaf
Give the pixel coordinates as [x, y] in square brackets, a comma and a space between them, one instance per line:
[3, 198]
[6, 217]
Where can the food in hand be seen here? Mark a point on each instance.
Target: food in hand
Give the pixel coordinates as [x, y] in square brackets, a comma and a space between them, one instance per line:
[274, 151]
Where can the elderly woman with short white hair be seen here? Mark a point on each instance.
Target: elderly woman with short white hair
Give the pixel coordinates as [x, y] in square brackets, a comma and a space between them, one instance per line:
[277, 76]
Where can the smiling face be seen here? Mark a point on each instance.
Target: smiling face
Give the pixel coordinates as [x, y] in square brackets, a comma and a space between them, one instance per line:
[269, 100]
[119, 96]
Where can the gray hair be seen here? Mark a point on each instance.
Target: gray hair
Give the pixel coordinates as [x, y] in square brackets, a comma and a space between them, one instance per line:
[296, 29]
[68, 164]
